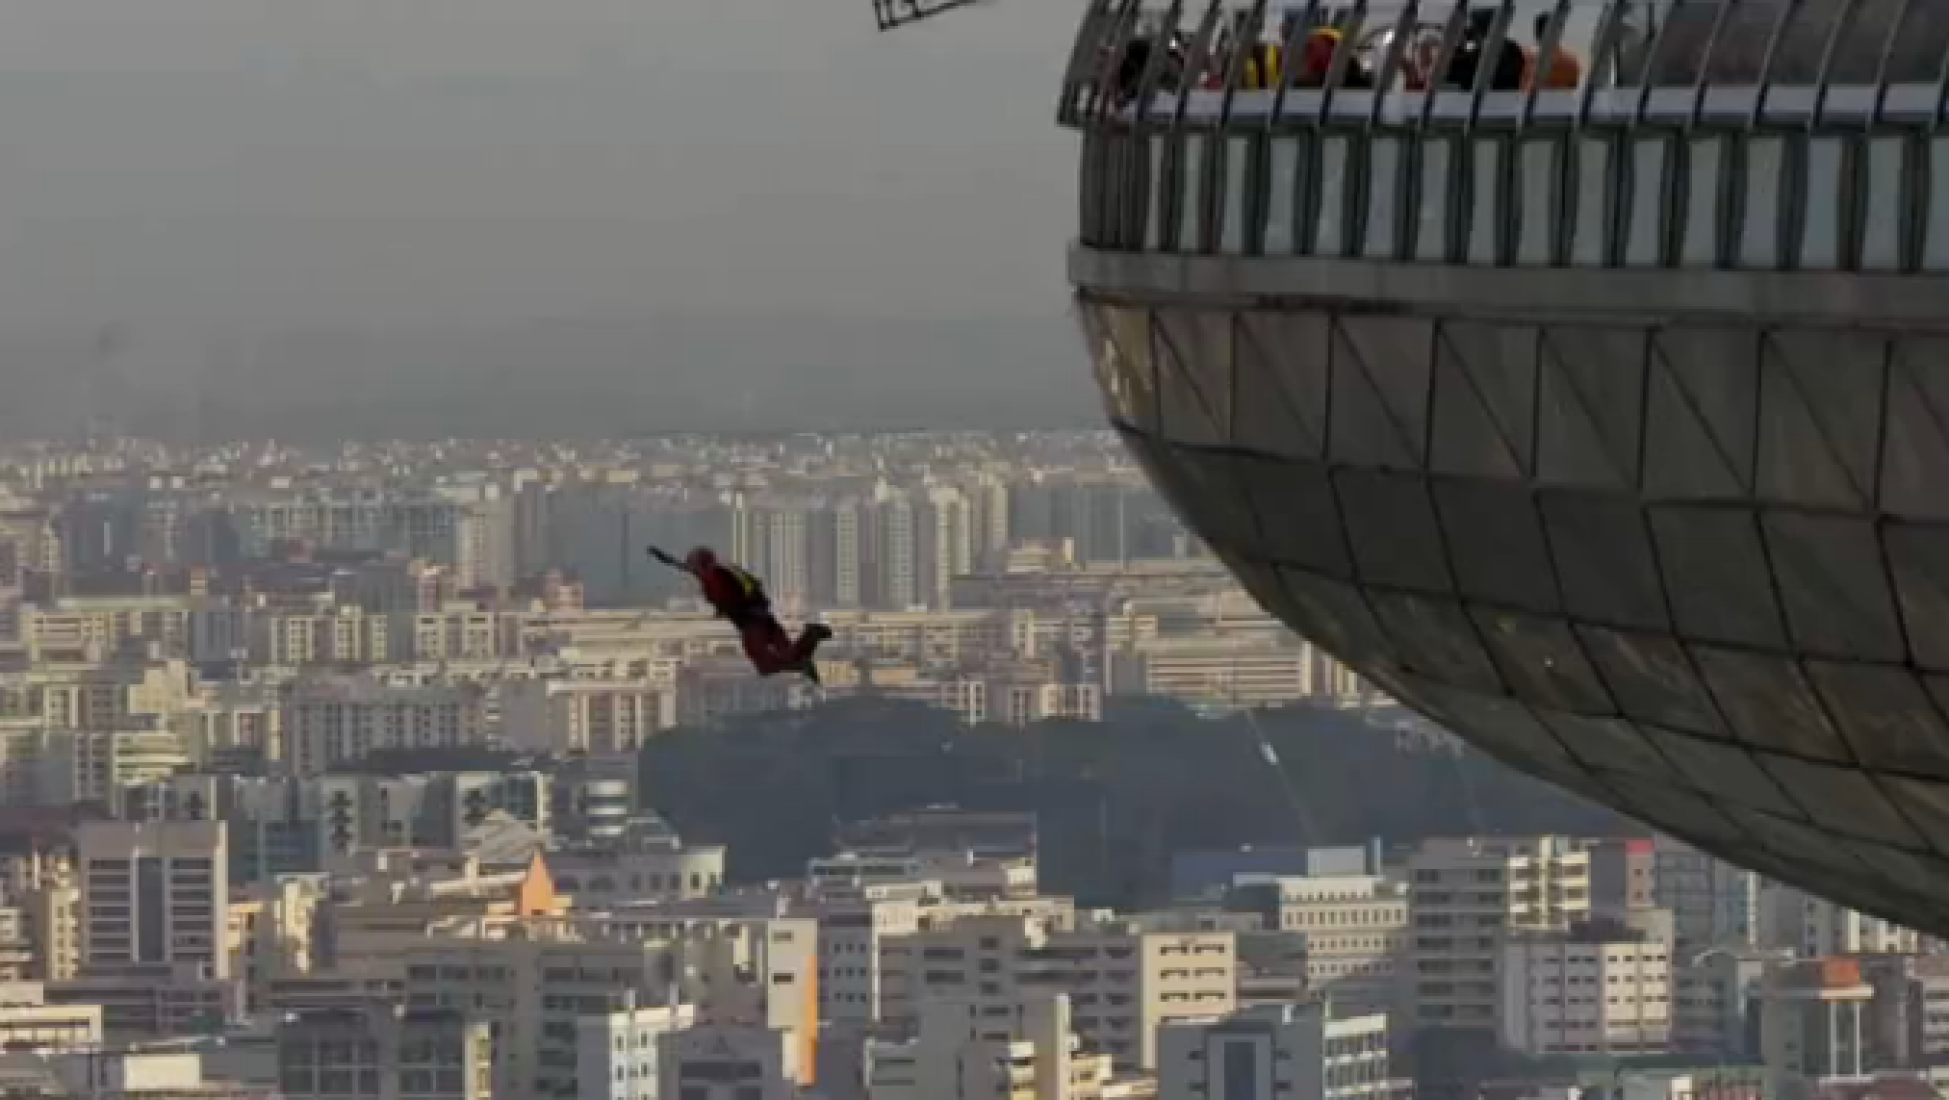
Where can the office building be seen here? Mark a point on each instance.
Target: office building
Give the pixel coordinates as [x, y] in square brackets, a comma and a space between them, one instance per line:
[380, 1052]
[964, 1050]
[1298, 1050]
[729, 1062]
[1464, 895]
[618, 1053]
[1600, 988]
[334, 719]
[1813, 1025]
[154, 893]
[1123, 982]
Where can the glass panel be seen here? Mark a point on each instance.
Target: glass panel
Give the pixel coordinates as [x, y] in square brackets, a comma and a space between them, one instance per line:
[1120, 348]
[1769, 703]
[1194, 375]
[1593, 189]
[1645, 242]
[1280, 182]
[1485, 227]
[1820, 246]
[1435, 638]
[1889, 720]
[1700, 248]
[1332, 214]
[1281, 362]
[1725, 770]
[1191, 208]
[1833, 585]
[1652, 679]
[1542, 662]
[1431, 236]
[1604, 560]
[1299, 521]
[1240, 174]
[1105, 197]
[1097, 150]
[1881, 237]
[1393, 530]
[1926, 803]
[1383, 197]
[1843, 800]
[1759, 225]
[1918, 558]
[1537, 217]
[1336, 616]
[1935, 239]
[1158, 184]
[1507, 727]
[1495, 543]
[1716, 575]
[1610, 744]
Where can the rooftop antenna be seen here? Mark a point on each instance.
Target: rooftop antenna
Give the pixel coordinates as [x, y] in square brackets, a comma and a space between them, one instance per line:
[894, 14]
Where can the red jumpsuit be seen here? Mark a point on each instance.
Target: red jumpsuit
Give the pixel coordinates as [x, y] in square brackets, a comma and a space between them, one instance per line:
[737, 597]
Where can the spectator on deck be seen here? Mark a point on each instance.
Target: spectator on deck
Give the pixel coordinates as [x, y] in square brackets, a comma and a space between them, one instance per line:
[1477, 46]
[1561, 70]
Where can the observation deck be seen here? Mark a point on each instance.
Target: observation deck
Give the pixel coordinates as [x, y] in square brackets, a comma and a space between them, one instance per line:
[1602, 416]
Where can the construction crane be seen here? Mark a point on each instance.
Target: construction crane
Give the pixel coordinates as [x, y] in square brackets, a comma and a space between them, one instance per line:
[894, 14]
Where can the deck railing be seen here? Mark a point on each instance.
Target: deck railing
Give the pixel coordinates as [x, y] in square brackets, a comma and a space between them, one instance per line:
[1734, 134]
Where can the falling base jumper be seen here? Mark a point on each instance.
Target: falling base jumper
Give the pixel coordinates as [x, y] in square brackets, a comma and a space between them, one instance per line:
[738, 596]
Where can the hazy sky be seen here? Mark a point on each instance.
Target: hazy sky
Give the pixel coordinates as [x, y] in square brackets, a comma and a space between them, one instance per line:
[272, 163]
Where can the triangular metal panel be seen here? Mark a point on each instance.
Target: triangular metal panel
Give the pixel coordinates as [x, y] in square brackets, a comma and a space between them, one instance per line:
[1485, 399]
[1299, 517]
[1703, 405]
[1820, 415]
[1915, 454]
[1335, 617]
[1282, 363]
[1918, 564]
[1590, 396]
[1120, 350]
[1203, 490]
[1436, 639]
[1888, 717]
[1382, 367]
[1194, 375]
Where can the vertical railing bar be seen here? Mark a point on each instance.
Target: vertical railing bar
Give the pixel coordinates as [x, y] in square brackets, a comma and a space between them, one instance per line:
[1288, 57]
[1103, 101]
[1485, 70]
[1177, 148]
[1096, 25]
[1602, 53]
[1824, 76]
[1245, 52]
[1154, 65]
[1647, 67]
[1788, 9]
[1546, 52]
[1885, 59]
[1391, 61]
[1195, 60]
[1451, 42]
[1343, 50]
[1702, 80]
[1941, 94]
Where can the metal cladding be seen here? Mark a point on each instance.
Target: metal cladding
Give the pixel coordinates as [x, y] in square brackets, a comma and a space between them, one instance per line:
[1605, 421]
